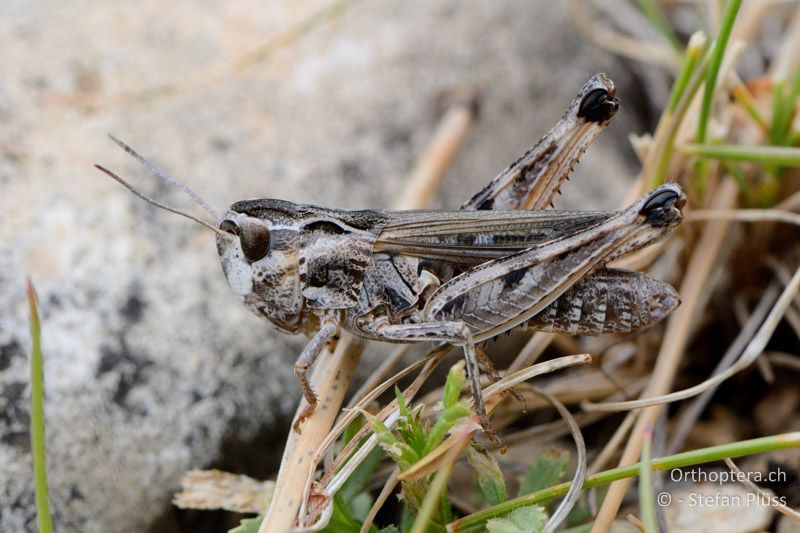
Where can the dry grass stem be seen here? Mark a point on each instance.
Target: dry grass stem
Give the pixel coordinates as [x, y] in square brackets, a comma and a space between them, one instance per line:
[426, 177]
[611, 447]
[676, 338]
[690, 415]
[330, 378]
[783, 359]
[766, 499]
[571, 498]
[745, 215]
[430, 361]
[550, 430]
[386, 491]
[541, 368]
[214, 489]
[754, 348]
[380, 373]
[386, 414]
[638, 49]
[532, 350]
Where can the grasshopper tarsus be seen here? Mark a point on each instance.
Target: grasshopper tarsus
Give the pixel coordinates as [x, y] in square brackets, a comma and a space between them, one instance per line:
[523, 406]
[490, 434]
[307, 411]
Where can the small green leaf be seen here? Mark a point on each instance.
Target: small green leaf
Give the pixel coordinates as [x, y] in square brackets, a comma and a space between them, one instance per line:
[390, 529]
[453, 385]
[528, 519]
[409, 427]
[548, 470]
[248, 525]
[443, 425]
[400, 452]
[401, 403]
[490, 478]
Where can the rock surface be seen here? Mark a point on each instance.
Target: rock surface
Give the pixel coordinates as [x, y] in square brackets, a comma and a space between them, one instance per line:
[152, 365]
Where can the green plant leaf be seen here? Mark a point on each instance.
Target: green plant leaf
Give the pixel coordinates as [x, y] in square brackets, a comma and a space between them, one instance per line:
[352, 429]
[248, 525]
[403, 454]
[44, 519]
[548, 470]
[342, 520]
[360, 505]
[409, 427]
[490, 477]
[529, 519]
[443, 425]
[390, 529]
[456, 378]
[361, 475]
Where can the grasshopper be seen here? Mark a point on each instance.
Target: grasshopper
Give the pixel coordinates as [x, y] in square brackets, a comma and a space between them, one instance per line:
[502, 261]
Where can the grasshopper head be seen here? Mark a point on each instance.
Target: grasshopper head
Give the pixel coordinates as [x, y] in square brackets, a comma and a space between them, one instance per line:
[259, 257]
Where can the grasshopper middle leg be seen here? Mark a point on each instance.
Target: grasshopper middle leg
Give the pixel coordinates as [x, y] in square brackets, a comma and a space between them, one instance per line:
[453, 332]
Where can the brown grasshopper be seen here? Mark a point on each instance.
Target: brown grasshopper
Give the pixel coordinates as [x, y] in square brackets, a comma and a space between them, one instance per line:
[500, 262]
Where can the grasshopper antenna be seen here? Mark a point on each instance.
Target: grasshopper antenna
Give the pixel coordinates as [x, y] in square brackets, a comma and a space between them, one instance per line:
[158, 172]
[150, 201]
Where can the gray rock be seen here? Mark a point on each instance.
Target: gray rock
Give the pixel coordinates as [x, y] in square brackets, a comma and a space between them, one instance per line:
[152, 365]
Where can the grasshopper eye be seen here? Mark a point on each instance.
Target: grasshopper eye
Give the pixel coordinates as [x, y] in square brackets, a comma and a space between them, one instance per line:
[598, 105]
[255, 241]
[229, 226]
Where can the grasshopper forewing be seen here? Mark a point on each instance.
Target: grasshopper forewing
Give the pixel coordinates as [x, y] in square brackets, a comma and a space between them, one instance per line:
[501, 262]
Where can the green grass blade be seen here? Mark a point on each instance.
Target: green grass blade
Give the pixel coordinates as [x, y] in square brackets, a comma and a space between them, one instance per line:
[694, 53]
[660, 23]
[683, 90]
[476, 521]
[43, 518]
[746, 100]
[765, 155]
[717, 53]
[783, 109]
[646, 498]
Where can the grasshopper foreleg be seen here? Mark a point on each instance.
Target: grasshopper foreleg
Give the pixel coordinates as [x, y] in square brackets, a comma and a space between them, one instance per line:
[307, 357]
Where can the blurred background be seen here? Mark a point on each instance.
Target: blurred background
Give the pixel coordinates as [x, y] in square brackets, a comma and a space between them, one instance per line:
[153, 366]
